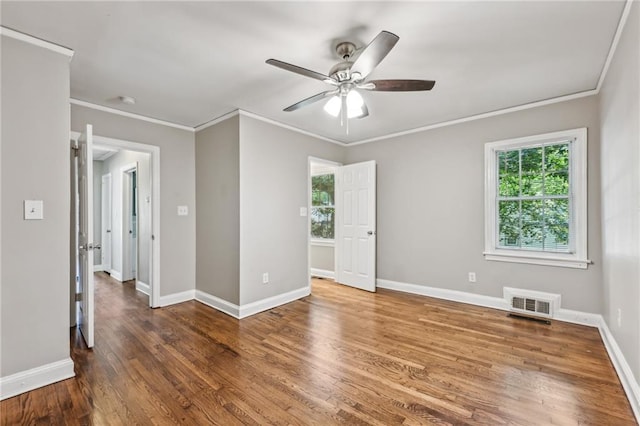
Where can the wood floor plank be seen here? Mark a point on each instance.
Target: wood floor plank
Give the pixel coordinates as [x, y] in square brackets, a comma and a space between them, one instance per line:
[339, 356]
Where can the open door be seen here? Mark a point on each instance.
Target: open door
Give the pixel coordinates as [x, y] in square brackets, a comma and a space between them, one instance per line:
[85, 234]
[356, 225]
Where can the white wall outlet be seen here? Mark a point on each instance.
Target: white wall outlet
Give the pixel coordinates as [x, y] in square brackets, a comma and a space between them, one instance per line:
[265, 278]
[303, 211]
[472, 277]
[33, 210]
[183, 210]
[619, 317]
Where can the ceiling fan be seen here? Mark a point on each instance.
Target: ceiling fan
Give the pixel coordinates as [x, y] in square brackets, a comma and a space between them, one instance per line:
[349, 76]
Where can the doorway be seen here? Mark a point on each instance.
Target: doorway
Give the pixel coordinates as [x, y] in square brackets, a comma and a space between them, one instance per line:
[342, 222]
[146, 209]
[322, 258]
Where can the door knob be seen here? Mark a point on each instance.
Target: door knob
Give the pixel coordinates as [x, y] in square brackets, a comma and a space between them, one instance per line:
[97, 246]
[370, 233]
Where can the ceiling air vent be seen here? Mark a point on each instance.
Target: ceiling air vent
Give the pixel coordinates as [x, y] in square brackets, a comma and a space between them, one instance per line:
[532, 303]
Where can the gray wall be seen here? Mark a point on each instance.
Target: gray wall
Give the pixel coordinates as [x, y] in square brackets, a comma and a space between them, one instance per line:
[113, 165]
[620, 135]
[218, 210]
[430, 210]
[322, 257]
[274, 179]
[177, 187]
[35, 254]
[97, 210]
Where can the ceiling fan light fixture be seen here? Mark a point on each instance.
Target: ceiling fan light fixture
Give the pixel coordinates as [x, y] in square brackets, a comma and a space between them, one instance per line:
[354, 105]
[332, 107]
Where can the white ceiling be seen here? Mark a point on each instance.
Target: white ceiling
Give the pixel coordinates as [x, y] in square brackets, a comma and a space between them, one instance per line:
[191, 62]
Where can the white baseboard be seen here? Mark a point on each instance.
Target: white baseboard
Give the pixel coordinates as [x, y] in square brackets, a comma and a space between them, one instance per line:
[628, 380]
[143, 287]
[116, 275]
[252, 308]
[218, 303]
[98, 268]
[172, 299]
[323, 273]
[34, 378]
[441, 293]
[273, 302]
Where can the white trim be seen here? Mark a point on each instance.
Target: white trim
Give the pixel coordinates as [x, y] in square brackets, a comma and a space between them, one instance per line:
[116, 275]
[98, 268]
[34, 378]
[217, 120]
[480, 116]
[175, 298]
[129, 114]
[288, 127]
[143, 287]
[252, 308]
[322, 242]
[218, 304]
[446, 294]
[273, 302]
[577, 317]
[323, 273]
[531, 258]
[154, 151]
[614, 44]
[629, 383]
[36, 41]
[577, 257]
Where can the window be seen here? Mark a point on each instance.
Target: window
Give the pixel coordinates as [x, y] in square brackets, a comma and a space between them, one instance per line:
[322, 206]
[535, 199]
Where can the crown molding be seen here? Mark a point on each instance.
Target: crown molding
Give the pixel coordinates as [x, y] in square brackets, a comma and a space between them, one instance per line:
[8, 32]
[216, 120]
[129, 114]
[480, 116]
[288, 127]
[614, 43]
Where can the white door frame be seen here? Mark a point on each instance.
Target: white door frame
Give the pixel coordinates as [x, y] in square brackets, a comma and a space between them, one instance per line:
[125, 205]
[154, 164]
[106, 225]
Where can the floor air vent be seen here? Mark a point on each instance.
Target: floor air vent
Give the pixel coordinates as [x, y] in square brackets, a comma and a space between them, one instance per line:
[532, 303]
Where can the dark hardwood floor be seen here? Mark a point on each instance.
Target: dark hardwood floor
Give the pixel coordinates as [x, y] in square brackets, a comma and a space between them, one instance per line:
[338, 356]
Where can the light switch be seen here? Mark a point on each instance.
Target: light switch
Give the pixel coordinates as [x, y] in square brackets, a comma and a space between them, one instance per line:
[33, 210]
[303, 211]
[183, 210]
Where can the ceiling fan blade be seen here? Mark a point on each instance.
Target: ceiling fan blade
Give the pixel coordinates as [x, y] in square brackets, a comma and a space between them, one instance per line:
[374, 53]
[310, 100]
[302, 71]
[398, 85]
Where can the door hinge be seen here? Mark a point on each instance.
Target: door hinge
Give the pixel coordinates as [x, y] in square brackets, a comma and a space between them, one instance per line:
[78, 297]
[75, 150]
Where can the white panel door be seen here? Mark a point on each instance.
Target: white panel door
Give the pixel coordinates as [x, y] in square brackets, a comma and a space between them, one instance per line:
[356, 225]
[85, 234]
[106, 222]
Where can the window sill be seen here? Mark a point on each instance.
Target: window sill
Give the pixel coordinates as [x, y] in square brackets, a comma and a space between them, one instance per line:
[532, 259]
[322, 243]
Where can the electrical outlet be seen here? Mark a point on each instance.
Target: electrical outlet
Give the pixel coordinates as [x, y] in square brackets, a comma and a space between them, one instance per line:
[472, 277]
[619, 317]
[265, 278]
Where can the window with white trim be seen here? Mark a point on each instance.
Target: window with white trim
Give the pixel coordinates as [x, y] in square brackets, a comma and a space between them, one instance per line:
[536, 199]
[322, 206]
